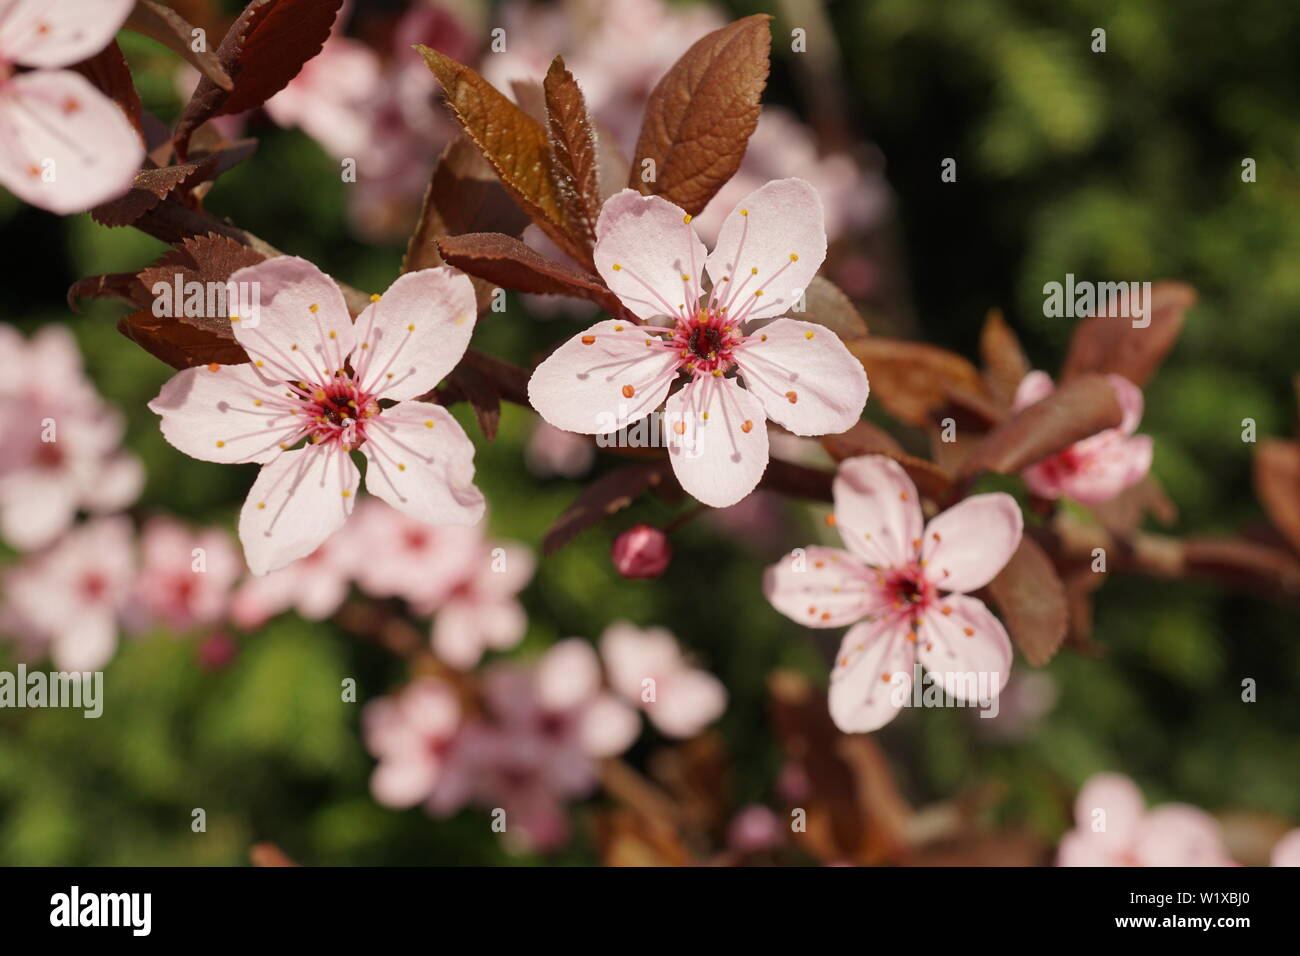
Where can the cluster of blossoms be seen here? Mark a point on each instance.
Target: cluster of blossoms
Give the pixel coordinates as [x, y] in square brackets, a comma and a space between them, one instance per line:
[1114, 828]
[533, 739]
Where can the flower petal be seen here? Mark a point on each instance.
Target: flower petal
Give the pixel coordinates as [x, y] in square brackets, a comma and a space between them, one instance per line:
[967, 545]
[1130, 402]
[819, 587]
[421, 462]
[632, 654]
[413, 335]
[686, 702]
[1176, 834]
[567, 675]
[612, 374]
[722, 452]
[874, 663]
[967, 651]
[64, 145]
[1033, 388]
[298, 501]
[53, 33]
[804, 376]
[299, 328]
[1286, 852]
[608, 726]
[1108, 810]
[644, 248]
[877, 510]
[212, 413]
[778, 230]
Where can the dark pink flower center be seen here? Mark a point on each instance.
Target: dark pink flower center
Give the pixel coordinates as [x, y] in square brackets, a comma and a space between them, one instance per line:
[339, 411]
[705, 342]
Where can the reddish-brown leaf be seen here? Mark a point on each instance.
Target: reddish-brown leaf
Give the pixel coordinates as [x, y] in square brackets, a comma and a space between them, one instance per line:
[1081, 407]
[826, 304]
[608, 494]
[150, 187]
[509, 263]
[574, 162]
[701, 114]
[1277, 485]
[466, 381]
[1111, 344]
[865, 438]
[108, 70]
[910, 378]
[166, 26]
[179, 344]
[1004, 360]
[1032, 599]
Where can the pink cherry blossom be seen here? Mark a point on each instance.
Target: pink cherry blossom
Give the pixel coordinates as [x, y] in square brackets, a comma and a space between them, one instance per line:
[647, 667]
[796, 373]
[1286, 852]
[907, 584]
[59, 442]
[551, 452]
[413, 735]
[64, 145]
[328, 99]
[185, 576]
[1094, 470]
[1113, 828]
[754, 829]
[570, 692]
[314, 375]
[72, 596]
[314, 586]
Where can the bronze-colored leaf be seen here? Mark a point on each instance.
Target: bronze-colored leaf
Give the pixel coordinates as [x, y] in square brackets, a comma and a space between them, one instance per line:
[179, 344]
[574, 166]
[910, 378]
[608, 494]
[1003, 358]
[468, 382]
[166, 26]
[118, 285]
[109, 71]
[1277, 485]
[1032, 599]
[507, 262]
[701, 114]
[149, 188]
[1112, 344]
[863, 438]
[1081, 407]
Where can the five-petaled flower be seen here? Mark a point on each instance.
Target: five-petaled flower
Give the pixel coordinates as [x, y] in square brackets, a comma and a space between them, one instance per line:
[1095, 470]
[907, 584]
[314, 376]
[798, 374]
[66, 146]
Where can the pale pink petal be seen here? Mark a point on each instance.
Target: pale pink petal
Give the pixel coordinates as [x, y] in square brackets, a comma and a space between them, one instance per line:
[686, 702]
[872, 669]
[415, 333]
[51, 33]
[877, 510]
[612, 374]
[118, 482]
[1179, 835]
[1286, 852]
[967, 650]
[299, 329]
[421, 462]
[213, 413]
[632, 655]
[86, 642]
[37, 507]
[462, 631]
[722, 453]
[431, 708]
[967, 545]
[403, 782]
[819, 587]
[1107, 470]
[804, 376]
[1079, 848]
[1130, 402]
[648, 254]
[296, 503]
[1109, 809]
[607, 726]
[506, 570]
[64, 145]
[567, 675]
[779, 231]
[1033, 388]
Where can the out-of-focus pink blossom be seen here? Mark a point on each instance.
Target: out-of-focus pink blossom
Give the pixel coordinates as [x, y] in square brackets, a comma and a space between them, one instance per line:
[1286, 852]
[413, 735]
[217, 650]
[1027, 698]
[314, 586]
[185, 576]
[70, 598]
[552, 452]
[570, 689]
[59, 442]
[755, 828]
[67, 146]
[1113, 828]
[647, 667]
[1094, 470]
[328, 98]
[641, 552]
[908, 584]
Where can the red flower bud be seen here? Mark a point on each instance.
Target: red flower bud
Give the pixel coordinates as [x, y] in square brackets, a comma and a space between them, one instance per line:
[641, 552]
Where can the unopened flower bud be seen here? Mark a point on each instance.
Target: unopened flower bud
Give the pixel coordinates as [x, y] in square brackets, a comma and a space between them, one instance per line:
[641, 552]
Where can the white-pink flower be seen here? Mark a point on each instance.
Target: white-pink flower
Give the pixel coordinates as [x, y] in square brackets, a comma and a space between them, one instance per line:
[1286, 852]
[413, 735]
[329, 98]
[64, 145]
[1113, 828]
[314, 376]
[570, 689]
[647, 668]
[797, 373]
[314, 586]
[185, 576]
[60, 443]
[907, 583]
[1094, 470]
[70, 598]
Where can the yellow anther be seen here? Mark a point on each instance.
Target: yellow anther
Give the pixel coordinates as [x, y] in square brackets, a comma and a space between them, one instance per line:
[313, 307]
[744, 212]
[686, 218]
[616, 267]
[428, 423]
[794, 257]
[375, 297]
[807, 335]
